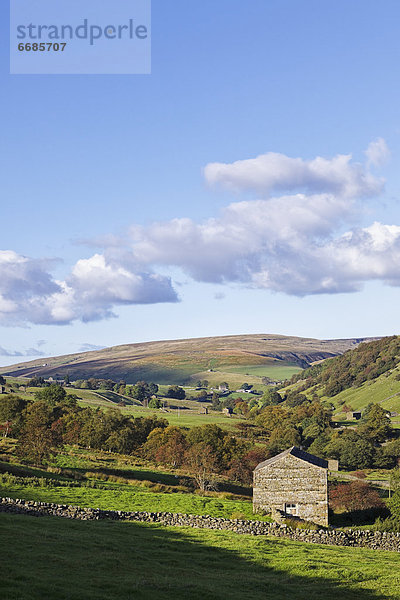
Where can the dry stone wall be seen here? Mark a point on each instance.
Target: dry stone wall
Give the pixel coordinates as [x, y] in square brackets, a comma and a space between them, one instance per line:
[359, 539]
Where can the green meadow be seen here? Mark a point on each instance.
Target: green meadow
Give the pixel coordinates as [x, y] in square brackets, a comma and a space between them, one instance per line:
[276, 371]
[131, 498]
[60, 559]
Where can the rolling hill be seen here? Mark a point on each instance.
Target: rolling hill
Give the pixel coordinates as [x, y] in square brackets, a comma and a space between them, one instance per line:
[181, 361]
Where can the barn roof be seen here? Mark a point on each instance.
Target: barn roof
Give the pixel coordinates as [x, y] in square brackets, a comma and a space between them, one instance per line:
[298, 453]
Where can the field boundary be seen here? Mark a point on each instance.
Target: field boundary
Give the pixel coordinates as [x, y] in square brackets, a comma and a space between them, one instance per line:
[373, 540]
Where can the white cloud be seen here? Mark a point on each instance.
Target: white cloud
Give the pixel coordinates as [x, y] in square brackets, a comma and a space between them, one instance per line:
[274, 172]
[29, 294]
[247, 236]
[292, 243]
[377, 153]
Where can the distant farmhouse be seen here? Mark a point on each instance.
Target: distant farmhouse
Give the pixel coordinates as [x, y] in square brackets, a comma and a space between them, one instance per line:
[354, 415]
[293, 483]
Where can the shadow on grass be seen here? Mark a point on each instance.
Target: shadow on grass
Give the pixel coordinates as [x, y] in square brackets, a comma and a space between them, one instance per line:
[71, 560]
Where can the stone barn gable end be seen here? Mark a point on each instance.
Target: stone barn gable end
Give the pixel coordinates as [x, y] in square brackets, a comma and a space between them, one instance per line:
[295, 483]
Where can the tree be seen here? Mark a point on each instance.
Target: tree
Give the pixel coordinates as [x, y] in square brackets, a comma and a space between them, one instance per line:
[36, 382]
[40, 434]
[202, 463]
[155, 403]
[2, 380]
[153, 388]
[241, 469]
[377, 427]
[176, 392]
[283, 437]
[224, 446]
[270, 398]
[216, 403]
[167, 446]
[121, 440]
[352, 451]
[11, 410]
[52, 394]
[271, 417]
[141, 391]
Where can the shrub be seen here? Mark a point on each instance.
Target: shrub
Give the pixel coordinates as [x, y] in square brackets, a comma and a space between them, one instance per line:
[354, 496]
[391, 524]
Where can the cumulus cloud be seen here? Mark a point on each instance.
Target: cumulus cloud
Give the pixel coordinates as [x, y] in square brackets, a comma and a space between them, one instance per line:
[302, 240]
[274, 172]
[29, 294]
[377, 153]
[286, 245]
[246, 236]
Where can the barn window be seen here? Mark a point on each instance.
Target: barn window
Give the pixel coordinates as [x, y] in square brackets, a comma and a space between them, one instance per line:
[291, 509]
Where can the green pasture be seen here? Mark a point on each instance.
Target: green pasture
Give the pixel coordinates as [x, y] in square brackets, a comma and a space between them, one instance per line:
[186, 417]
[234, 380]
[63, 559]
[384, 390]
[132, 498]
[277, 372]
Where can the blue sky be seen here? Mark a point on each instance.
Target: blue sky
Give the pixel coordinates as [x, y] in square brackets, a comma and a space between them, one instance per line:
[230, 146]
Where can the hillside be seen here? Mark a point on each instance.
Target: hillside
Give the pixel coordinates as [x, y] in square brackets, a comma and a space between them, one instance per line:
[179, 361]
[368, 373]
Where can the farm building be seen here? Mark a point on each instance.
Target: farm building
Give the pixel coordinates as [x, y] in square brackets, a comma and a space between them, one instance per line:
[354, 415]
[293, 483]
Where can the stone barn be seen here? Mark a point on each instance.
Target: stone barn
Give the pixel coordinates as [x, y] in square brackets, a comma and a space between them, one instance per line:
[293, 483]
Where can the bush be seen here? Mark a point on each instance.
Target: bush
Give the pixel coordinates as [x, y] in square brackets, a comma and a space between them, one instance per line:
[354, 496]
[391, 524]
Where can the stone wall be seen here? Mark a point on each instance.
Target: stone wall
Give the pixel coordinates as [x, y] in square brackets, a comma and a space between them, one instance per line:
[292, 480]
[360, 539]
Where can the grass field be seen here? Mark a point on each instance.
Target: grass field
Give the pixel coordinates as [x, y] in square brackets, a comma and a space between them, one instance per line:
[132, 498]
[276, 370]
[186, 418]
[119, 483]
[58, 559]
[233, 378]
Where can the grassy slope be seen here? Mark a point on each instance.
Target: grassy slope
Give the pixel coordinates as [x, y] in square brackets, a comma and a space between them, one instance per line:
[385, 390]
[382, 390]
[72, 560]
